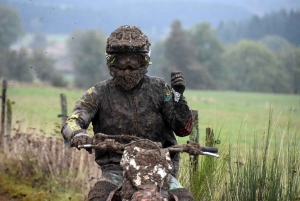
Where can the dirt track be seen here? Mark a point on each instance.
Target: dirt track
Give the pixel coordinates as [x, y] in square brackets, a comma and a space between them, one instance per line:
[2, 198]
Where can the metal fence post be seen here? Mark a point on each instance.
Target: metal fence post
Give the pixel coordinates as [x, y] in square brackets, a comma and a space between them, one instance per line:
[3, 97]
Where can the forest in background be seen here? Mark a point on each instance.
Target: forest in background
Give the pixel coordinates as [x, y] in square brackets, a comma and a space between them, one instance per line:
[260, 54]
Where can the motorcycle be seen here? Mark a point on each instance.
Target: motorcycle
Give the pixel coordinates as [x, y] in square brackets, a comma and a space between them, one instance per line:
[146, 165]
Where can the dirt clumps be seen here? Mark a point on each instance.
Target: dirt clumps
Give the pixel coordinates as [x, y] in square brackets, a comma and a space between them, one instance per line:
[127, 38]
[101, 190]
[145, 168]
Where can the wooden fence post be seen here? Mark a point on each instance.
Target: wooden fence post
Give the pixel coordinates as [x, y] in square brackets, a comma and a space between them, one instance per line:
[8, 118]
[3, 97]
[194, 138]
[210, 137]
[63, 102]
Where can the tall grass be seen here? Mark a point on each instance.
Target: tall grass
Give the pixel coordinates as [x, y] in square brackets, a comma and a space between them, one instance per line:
[267, 170]
[45, 169]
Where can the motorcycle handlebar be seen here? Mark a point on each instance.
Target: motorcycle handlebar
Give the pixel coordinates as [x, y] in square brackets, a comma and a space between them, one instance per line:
[209, 149]
[188, 148]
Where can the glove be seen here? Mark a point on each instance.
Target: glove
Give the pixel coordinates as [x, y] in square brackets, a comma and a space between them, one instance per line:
[178, 82]
[81, 139]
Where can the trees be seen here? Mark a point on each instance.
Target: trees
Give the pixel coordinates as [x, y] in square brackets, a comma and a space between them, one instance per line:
[276, 43]
[16, 66]
[23, 67]
[180, 55]
[290, 65]
[44, 69]
[87, 50]
[282, 23]
[10, 26]
[251, 67]
[207, 49]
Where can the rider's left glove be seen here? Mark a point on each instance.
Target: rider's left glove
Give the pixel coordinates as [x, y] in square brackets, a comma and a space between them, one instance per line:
[178, 84]
[81, 139]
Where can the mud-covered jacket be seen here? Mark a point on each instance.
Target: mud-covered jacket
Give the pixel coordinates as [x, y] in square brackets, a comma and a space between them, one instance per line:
[147, 111]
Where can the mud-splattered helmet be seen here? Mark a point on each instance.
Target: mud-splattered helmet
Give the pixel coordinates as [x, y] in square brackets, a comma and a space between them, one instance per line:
[128, 39]
[127, 55]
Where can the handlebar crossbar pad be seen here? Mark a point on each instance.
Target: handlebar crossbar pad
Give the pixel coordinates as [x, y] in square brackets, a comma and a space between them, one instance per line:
[210, 149]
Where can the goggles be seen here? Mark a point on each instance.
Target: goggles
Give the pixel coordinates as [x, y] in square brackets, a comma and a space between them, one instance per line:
[133, 59]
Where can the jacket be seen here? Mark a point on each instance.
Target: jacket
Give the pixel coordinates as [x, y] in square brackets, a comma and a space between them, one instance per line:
[147, 111]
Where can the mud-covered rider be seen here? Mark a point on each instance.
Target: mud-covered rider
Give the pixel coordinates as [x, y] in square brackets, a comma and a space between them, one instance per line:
[131, 103]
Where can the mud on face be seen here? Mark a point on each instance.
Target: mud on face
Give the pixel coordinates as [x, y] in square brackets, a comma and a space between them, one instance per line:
[127, 78]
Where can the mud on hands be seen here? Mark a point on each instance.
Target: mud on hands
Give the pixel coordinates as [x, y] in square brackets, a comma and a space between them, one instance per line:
[82, 139]
[179, 115]
[178, 84]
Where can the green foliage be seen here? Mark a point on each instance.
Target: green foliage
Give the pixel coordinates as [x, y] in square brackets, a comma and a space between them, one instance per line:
[10, 26]
[276, 43]
[20, 66]
[265, 168]
[87, 50]
[180, 55]
[268, 66]
[44, 69]
[290, 65]
[251, 67]
[15, 65]
[265, 173]
[207, 49]
[282, 23]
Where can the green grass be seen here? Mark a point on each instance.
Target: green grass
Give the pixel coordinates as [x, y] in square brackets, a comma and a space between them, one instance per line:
[224, 112]
[265, 168]
[240, 120]
[238, 112]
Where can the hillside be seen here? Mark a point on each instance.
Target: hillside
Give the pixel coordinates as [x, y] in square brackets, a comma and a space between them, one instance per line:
[154, 17]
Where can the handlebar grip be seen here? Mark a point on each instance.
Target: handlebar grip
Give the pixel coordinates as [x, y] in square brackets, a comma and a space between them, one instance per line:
[210, 149]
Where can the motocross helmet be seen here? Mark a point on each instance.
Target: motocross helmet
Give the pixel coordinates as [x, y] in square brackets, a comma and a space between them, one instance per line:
[128, 55]
[127, 39]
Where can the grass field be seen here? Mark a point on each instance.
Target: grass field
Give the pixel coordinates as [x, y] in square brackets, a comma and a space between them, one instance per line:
[230, 114]
[239, 119]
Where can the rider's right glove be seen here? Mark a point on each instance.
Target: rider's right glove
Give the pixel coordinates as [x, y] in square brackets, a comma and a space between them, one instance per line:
[81, 139]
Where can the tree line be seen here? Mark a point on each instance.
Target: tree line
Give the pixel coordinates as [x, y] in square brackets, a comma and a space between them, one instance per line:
[270, 64]
[267, 64]
[285, 24]
[24, 65]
